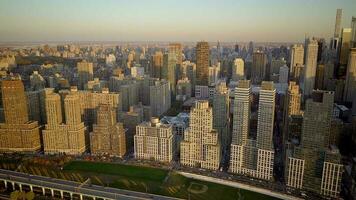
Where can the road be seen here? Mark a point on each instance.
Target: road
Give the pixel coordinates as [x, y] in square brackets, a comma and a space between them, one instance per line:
[76, 188]
[240, 185]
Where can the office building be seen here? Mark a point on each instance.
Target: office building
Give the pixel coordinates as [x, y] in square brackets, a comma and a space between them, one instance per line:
[345, 46]
[238, 68]
[310, 67]
[184, 89]
[176, 49]
[160, 97]
[156, 66]
[169, 70]
[353, 32]
[221, 118]
[258, 71]
[85, 73]
[202, 63]
[297, 57]
[350, 82]
[338, 23]
[283, 74]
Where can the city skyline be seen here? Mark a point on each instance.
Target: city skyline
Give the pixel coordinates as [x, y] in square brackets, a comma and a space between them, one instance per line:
[227, 21]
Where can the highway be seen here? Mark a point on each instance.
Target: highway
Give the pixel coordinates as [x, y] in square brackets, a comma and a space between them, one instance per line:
[76, 188]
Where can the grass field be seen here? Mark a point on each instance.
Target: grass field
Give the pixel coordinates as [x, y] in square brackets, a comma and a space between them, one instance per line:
[157, 181]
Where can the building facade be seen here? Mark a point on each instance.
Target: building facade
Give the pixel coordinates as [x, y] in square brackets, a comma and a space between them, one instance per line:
[202, 67]
[200, 146]
[154, 141]
[69, 137]
[17, 133]
[108, 136]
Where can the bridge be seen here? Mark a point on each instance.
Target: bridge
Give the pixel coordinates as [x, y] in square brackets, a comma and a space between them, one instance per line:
[69, 189]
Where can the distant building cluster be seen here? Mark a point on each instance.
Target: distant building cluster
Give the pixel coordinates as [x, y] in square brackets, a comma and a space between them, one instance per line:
[272, 112]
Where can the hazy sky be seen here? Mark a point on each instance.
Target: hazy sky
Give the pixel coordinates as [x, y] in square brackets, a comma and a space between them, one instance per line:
[168, 20]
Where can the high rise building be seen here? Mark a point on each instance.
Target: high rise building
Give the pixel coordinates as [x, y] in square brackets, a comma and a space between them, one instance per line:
[37, 82]
[353, 37]
[169, 70]
[319, 77]
[345, 46]
[157, 63]
[350, 82]
[201, 147]
[202, 61]
[69, 137]
[108, 136]
[238, 70]
[214, 74]
[265, 121]
[248, 156]
[315, 165]
[258, 71]
[89, 101]
[293, 99]
[310, 67]
[176, 48]
[131, 119]
[221, 118]
[292, 103]
[17, 133]
[283, 74]
[85, 73]
[338, 23]
[184, 89]
[160, 97]
[154, 140]
[297, 57]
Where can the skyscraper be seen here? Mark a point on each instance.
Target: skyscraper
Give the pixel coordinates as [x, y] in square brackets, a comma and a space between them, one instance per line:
[249, 156]
[338, 23]
[221, 119]
[353, 37]
[160, 97]
[265, 121]
[85, 73]
[176, 48]
[258, 71]
[310, 67]
[345, 46]
[238, 70]
[156, 66]
[17, 134]
[201, 147]
[292, 103]
[202, 67]
[350, 82]
[283, 74]
[169, 70]
[108, 136]
[154, 140]
[314, 164]
[297, 57]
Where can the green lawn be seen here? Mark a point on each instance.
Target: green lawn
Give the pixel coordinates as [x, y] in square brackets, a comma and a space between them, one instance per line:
[128, 171]
[158, 181]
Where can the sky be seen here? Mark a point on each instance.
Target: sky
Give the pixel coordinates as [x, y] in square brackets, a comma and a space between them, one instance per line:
[168, 20]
